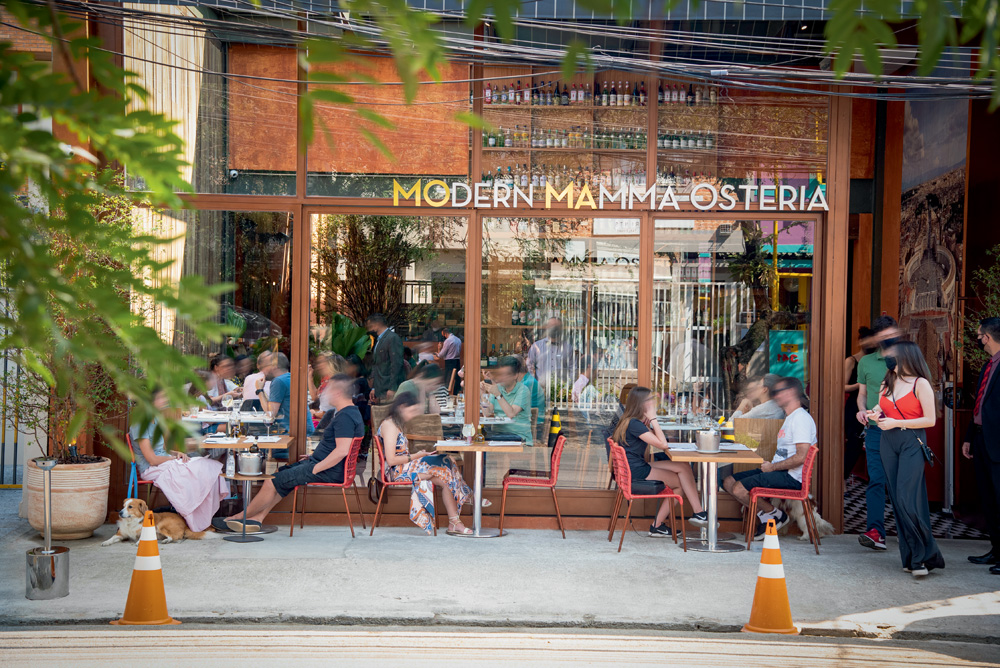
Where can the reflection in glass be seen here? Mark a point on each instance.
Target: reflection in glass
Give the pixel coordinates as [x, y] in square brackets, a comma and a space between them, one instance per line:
[562, 295]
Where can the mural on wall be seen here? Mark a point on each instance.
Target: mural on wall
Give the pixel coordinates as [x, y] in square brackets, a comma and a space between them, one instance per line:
[931, 226]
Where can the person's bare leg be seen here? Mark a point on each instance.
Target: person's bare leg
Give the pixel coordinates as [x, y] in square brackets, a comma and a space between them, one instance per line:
[686, 480]
[266, 499]
[669, 479]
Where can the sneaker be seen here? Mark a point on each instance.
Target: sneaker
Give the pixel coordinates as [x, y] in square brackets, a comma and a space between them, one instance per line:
[761, 531]
[919, 572]
[659, 531]
[873, 539]
[699, 519]
[781, 520]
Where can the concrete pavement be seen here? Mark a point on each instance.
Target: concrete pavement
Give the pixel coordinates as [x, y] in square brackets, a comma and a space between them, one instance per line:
[416, 647]
[526, 579]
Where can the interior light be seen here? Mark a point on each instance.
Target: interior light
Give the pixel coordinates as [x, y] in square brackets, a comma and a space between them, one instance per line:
[804, 26]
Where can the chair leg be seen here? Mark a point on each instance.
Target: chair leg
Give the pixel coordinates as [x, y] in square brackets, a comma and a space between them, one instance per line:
[811, 524]
[628, 513]
[347, 509]
[438, 504]
[671, 513]
[302, 513]
[613, 520]
[684, 535]
[378, 511]
[357, 495]
[751, 525]
[555, 501]
[295, 497]
[503, 507]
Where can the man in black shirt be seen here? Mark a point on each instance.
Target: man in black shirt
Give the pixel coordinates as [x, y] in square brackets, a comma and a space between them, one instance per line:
[326, 464]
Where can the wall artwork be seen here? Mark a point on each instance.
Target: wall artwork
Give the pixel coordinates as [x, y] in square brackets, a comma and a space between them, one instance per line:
[931, 227]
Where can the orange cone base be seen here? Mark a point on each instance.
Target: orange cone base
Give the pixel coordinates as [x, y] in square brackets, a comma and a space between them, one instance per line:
[158, 622]
[748, 628]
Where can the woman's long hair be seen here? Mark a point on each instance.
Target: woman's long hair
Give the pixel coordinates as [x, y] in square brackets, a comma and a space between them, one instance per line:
[401, 401]
[634, 410]
[909, 362]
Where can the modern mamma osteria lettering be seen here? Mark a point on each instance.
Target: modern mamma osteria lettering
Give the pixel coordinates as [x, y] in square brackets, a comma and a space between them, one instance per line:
[702, 196]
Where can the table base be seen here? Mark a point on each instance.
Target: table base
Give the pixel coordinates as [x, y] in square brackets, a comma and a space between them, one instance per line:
[240, 538]
[702, 534]
[702, 546]
[264, 528]
[482, 533]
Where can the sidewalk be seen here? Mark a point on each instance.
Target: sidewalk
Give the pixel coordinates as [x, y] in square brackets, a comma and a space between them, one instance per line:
[526, 579]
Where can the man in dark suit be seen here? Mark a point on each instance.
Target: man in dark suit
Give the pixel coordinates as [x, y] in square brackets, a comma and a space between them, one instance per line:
[387, 359]
[982, 439]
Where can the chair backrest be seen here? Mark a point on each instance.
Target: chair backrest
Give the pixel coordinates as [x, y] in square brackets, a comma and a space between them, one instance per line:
[763, 431]
[623, 475]
[351, 465]
[380, 453]
[451, 381]
[424, 428]
[378, 416]
[131, 449]
[807, 468]
[557, 451]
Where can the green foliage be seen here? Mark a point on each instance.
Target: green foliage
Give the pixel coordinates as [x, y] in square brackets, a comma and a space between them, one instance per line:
[342, 337]
[852, 30]
[72, 262]
[986, 287]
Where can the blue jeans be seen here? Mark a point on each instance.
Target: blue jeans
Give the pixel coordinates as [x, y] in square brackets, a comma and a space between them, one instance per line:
[875, 495]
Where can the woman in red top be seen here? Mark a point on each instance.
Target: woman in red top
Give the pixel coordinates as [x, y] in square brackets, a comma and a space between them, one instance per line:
[905, 409]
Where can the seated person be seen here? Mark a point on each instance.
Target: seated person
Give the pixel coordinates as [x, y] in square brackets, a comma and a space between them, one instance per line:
[250, 384]
[221, 383]
[635, 432]
[326, 464]
[423, 469]
[759, 401]
[784, 471]
[191, 484]
[278, 401]
[426, 385]
[509, 398]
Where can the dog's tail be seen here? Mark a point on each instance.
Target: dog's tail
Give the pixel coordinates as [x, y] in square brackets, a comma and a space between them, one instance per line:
[198, 535]
[822, 526]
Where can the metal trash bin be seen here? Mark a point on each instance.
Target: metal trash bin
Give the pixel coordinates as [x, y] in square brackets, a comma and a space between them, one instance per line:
[47, 570]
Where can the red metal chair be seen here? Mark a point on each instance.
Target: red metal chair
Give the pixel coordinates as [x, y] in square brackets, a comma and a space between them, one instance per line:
[134, 481]
[749, 526]
[623, 475]
[386, 484]
[350, 471]
[530, 478]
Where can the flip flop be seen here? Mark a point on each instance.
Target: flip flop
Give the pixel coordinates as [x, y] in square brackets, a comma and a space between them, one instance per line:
[253, 526]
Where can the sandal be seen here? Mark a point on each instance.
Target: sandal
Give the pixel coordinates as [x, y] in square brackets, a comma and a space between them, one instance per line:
[486, 503]
[464, 531]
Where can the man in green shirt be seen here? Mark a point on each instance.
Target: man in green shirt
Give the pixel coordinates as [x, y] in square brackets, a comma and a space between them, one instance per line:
[871, 373]
[509, 398]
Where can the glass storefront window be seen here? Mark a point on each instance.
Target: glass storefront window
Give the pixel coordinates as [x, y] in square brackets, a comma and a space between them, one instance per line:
[731, 303]
[561, 295]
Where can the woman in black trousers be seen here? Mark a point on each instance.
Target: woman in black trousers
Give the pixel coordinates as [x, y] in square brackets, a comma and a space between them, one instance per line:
[905, 409]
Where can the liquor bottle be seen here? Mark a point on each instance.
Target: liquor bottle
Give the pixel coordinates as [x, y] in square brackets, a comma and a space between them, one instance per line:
[510, 177]
[605, 96]
[621, 94]
[659, 94]
[614, 95]
[713, 96]
[507, 141]
[504, 98]
[587, 97]
[572, 95]
[690, 95]
[515, 318]
[534, 95]
[230, 464]
[565, 96]
[524, 313]
[642, 94]
[698, 97]
[676, 94]
[492, 361]
[700, 142]
[492, 142]
[483, 359]
[628, 96]
[548, 94]
[565, 139]
[524, 175]
[517, 95]
[709, 140]
[487, 94]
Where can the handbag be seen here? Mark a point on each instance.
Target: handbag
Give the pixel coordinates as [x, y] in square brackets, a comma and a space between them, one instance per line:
[374, 484]
[924, 448]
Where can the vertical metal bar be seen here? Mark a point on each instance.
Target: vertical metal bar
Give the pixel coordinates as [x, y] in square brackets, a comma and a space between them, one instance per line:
[645, 296]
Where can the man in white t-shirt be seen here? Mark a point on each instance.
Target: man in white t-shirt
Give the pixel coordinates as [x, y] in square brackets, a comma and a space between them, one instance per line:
[250, 383]
[784, 471]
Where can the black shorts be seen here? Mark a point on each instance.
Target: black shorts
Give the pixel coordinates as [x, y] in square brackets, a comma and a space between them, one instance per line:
[773, 479]
[291, 476]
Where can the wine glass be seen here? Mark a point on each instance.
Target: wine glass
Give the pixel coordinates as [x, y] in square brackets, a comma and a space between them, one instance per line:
[268, 420]
[227, 402]
[468, 431]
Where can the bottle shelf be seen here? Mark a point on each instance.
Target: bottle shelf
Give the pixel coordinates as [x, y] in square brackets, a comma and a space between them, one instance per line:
[609, 151]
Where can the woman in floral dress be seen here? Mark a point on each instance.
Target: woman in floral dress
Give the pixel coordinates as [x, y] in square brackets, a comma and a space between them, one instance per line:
[423, 469]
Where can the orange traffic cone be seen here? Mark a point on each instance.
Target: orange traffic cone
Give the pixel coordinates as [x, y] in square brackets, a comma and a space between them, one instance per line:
[147, 602]
[770, 612]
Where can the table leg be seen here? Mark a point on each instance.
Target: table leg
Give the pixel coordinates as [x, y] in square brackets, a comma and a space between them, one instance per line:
[702, 533]
[243, 537]
[713, 544]
[477, 504]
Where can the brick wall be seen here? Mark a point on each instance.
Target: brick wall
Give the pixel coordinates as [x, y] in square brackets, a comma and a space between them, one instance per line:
[22, 39]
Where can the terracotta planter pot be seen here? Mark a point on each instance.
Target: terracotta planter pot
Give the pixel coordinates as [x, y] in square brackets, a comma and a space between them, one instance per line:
[79, 498]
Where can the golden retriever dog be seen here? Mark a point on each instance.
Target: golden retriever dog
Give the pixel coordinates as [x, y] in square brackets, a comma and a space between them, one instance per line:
[170, 527]
[796, 514]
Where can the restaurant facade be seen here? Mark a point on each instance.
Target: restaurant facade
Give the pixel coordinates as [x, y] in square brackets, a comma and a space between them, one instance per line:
[684, 232]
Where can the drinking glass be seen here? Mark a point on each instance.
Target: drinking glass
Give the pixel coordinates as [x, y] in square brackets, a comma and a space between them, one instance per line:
[468, 431]
[227, 402]
[268, 419]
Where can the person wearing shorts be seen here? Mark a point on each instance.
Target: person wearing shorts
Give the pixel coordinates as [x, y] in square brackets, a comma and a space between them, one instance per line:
[326, 464]
[784, 471]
